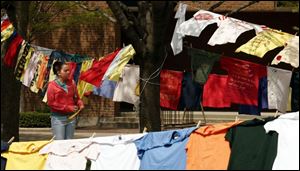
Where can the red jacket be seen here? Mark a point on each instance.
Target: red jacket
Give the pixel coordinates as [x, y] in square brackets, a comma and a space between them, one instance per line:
[61, 101]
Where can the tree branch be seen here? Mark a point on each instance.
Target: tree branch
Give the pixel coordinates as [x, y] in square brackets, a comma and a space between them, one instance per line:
[216, 5]
[245, 6]
[96, 10]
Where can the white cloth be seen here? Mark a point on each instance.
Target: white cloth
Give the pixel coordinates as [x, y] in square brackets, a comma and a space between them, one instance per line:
[117, 153]
[176, 42]
[278, 88]
[287, 127]
[195, 25]
[31, 68]
[229, 30]
[125, 89]
[290, 53]
[70, 154]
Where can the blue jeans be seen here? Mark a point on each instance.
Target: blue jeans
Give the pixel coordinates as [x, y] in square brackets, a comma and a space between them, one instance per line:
[62, 128]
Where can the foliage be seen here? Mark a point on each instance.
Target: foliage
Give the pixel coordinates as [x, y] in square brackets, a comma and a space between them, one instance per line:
[35, 119]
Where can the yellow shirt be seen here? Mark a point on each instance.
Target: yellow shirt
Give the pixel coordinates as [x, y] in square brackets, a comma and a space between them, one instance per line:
[25, 156]
[115, 68]
[83, 86]
[264, 41]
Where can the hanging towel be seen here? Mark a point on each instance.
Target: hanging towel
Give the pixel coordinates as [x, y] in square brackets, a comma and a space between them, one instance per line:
[12, 50]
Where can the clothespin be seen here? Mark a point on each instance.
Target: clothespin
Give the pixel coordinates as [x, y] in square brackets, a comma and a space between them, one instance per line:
[123, 45]
[10, 140]
[276, 113]
[52, 138]
[145, 130]
[199, 124]
[93, 135]
[236, 118]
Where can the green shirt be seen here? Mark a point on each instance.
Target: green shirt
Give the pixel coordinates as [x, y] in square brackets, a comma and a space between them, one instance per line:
[251, 147]
[202, 63]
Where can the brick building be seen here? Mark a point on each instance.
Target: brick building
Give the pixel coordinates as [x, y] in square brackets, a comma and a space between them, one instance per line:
[101, 38]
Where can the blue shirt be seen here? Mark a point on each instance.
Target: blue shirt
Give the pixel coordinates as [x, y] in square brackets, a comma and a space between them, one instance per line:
[190, 93]
[163, 150]
[106, 89]
[262, 100]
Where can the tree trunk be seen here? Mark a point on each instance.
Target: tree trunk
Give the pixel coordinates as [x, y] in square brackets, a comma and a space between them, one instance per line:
[10, 87]
[150, 51]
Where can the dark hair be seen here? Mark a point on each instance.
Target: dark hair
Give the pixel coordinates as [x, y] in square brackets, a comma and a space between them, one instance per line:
[57, 67]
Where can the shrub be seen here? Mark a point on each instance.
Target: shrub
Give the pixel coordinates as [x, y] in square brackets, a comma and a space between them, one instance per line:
[35, 119]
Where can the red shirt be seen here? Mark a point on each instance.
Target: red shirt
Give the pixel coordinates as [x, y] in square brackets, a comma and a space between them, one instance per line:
[243, 80]
[95, 74]
[170, 88]
[61, 101]
[215, 92]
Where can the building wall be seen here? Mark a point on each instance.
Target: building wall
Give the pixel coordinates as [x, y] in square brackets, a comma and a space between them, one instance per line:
[94, 40]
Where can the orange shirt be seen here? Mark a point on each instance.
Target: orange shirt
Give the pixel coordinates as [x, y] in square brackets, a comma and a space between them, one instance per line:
[207, 148]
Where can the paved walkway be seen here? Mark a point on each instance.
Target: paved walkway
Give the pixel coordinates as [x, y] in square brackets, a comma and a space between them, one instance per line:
[35, 134]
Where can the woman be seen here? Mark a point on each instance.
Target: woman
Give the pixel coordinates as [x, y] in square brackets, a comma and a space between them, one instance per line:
[63, 100]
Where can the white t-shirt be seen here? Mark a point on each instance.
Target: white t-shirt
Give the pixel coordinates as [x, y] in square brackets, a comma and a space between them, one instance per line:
[176, 42]
[70, 154]
[117, 153]
[290, 54]
[278, 88]
[125, 89]
[31, 68]
[229, 30]
[195, 25]
[287, 127]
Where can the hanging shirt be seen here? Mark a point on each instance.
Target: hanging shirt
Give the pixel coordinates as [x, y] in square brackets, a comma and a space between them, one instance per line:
[4, 148]
[264, 41]
[41, 75]
[278, 88]
[170, 88]
[31, 69]
[125, 89]
[190, 93]
[117, 153]
[290, 53]
[83, 86]
[117, 65]
[7, 31]
[77, 72]
[202, 63]
[295, 91]
[206, 145]
[70, 154]
[95, 74]
[228, 31]
[28, 58]
[195, 25]
[12, 50]
[262, 100]
[106, 90]
[176, 42]
[215, 92]
[243, 80]
[25, 156]
[287, 127]
[163, 150]
[21, 60]
[251, 147]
